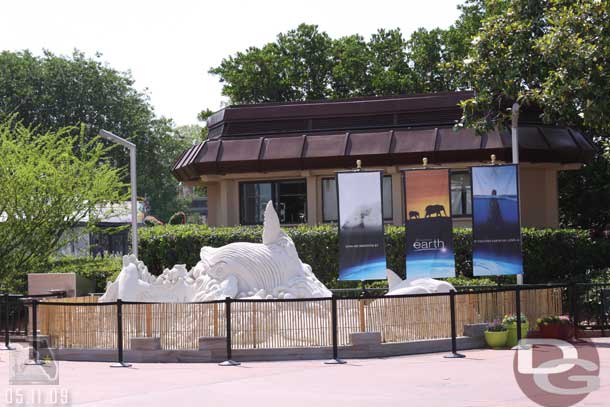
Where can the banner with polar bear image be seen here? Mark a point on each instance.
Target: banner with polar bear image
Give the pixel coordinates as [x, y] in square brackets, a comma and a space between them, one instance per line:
[428, 224]
[496, 226]
[361, 242]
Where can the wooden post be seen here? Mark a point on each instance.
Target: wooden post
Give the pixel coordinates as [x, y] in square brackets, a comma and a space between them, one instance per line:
[215, 319]
[361, 315]
[254, 324]
[148, 326]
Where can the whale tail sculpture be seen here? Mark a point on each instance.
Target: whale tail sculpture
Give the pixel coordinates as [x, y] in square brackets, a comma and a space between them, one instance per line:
[272, 231]
[272, 269]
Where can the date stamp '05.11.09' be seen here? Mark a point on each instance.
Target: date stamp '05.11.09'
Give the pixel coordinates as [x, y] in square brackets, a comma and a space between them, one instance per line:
[33, 384]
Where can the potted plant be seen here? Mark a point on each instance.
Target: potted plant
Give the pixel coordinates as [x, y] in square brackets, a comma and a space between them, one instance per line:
[555, 327]
[496, 335]
[510, 322]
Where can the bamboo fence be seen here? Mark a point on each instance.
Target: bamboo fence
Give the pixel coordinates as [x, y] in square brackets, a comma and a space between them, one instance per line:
[282, 324]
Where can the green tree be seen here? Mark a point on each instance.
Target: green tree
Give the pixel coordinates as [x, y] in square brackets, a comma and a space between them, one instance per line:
[349, 75]
[191, 134]
[389, 69]
[554, 55]
[427, 53]
[584, 195]
[49, 183]
[52, 92]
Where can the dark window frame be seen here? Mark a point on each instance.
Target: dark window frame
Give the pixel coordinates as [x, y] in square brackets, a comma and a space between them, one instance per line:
[273, 183]
[324, 220]
[464, 205]
[391, 217]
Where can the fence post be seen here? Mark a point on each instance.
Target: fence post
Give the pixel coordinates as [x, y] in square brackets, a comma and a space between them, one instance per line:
[361, 315]
[574, 307]
[215, 317]
[36, 357]
[119, 327]
[454, 353]
[602, 311]
[518, 310]
[7, 335]
[229, 361]
[333, 314]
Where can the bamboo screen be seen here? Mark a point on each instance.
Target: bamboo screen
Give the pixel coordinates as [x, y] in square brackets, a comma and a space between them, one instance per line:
[283, 324]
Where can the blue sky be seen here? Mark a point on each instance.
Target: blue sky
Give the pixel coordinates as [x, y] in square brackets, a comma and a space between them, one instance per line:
[170, 45]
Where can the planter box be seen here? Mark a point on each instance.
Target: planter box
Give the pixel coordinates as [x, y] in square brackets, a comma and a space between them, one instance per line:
[496, 340]
[556, 331]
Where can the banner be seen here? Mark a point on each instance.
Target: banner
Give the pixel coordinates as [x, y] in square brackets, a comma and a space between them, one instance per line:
[428, 224]
[361, 242]
[496, 226]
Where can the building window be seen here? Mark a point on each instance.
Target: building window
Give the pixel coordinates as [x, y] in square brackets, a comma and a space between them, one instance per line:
[386, 190]
[329, 199]
[289, 199]
[461, 194]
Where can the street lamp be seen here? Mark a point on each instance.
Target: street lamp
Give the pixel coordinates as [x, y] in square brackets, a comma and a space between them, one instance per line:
[515, 151]
[132, 175]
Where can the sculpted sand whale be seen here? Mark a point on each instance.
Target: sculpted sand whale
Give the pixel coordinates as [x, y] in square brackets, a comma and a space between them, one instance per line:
[271, 269]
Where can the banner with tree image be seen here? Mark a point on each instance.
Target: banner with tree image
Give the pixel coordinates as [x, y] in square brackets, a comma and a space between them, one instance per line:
[496, 226]
[428, 224]
[361, 241]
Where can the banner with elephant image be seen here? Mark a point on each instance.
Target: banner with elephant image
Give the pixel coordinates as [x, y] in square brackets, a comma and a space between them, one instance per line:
[428, 224]
[496, 226]
[361, 240]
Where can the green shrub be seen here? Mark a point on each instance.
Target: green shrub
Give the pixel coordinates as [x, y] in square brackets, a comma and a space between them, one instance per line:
[550, 255]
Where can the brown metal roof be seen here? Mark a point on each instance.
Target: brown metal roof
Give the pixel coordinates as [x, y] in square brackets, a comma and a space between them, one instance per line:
[431, 110]
[374, 148]
[381, 131]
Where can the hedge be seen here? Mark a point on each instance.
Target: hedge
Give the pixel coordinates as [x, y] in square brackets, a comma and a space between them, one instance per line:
[550, 255]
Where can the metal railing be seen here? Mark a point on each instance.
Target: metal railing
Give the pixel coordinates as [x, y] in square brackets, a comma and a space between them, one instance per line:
[291, 323]
[14, 315]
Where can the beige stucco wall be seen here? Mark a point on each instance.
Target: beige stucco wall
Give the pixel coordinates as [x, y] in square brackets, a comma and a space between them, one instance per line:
[539, 194]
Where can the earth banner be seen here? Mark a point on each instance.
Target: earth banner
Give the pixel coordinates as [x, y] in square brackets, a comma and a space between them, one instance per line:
[428, 225]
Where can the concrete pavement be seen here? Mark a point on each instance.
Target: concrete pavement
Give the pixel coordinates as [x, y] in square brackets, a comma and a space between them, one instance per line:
[483, 378]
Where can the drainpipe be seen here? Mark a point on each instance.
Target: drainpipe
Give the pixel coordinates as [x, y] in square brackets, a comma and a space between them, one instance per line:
[515, 150]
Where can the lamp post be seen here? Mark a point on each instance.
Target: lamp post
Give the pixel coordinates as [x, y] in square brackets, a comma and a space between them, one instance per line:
[132, 175]
[515, 150]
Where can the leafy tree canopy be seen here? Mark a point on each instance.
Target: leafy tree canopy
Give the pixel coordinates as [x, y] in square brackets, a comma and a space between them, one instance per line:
[52, 92]
[50, 181]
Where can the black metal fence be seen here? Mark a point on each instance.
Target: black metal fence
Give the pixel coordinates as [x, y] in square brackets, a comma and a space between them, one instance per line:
[242, 320]
[14, 316]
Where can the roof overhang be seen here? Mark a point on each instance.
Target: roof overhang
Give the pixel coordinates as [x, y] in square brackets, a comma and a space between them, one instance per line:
[397, 146]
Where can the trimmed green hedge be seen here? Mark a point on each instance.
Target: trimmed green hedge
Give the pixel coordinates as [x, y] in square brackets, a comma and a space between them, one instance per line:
[550, 255]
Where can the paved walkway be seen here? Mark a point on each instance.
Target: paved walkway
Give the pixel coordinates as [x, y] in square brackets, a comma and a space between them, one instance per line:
[483, 378]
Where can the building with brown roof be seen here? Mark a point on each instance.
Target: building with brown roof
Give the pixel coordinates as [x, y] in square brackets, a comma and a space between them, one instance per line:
[289, 153]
